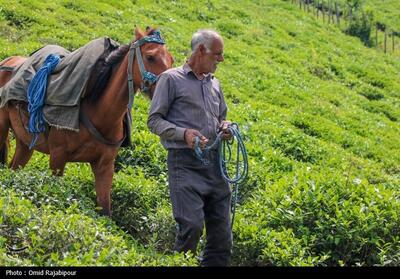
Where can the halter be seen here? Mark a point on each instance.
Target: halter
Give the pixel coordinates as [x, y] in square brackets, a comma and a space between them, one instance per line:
[148, 78]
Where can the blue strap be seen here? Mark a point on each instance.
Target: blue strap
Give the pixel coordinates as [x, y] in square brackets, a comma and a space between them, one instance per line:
[36, 94]
[154, 38]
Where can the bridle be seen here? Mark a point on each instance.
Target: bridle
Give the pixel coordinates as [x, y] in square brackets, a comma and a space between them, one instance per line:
[148, 78]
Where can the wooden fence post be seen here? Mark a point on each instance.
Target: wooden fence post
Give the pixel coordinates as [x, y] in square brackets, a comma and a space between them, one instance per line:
[330, 11]
[393, 41]
[337, 14]
[385, 39]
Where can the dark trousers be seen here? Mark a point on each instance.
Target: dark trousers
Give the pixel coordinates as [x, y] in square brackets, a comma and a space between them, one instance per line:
[199, 195]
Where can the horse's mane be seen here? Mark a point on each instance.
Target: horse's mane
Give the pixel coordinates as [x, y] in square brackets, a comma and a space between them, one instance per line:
[103, 77]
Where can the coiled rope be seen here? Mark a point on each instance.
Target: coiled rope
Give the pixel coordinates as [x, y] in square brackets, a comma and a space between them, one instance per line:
[225, 157]
[36, 94]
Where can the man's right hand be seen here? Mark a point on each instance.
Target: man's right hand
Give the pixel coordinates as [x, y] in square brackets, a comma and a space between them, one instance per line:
[191, 134]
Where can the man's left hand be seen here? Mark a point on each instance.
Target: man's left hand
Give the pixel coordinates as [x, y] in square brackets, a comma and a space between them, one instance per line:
[226, 135]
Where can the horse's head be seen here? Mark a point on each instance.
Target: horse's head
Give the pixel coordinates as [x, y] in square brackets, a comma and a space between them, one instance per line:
[152, 58]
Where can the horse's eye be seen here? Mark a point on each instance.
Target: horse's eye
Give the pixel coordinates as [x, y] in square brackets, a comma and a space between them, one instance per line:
[151, 59]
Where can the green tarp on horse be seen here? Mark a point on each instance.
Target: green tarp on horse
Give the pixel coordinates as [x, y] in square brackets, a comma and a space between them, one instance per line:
[66, 84]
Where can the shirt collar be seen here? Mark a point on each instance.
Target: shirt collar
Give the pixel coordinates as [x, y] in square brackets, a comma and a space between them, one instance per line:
[187, 70]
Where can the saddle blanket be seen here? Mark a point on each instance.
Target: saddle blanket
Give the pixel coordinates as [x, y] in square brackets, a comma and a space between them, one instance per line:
[67, 83]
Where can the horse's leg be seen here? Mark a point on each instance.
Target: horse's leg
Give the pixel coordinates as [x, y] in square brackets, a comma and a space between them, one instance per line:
[21, 156]
[103, 174]
[57, 141]
[4, 128]
[57, 161]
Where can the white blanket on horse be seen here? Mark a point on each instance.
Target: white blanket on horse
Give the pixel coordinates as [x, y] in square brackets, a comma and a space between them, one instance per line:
[66, 84]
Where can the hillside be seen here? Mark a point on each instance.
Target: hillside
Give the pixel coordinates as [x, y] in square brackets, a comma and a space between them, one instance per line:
[386, 11]
[319, 112]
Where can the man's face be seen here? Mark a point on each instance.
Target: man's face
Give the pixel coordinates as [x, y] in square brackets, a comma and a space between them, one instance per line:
[214, 56]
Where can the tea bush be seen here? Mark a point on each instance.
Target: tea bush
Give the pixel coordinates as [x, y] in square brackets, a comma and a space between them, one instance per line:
[318, 111]
[46, 236]
[323, 219]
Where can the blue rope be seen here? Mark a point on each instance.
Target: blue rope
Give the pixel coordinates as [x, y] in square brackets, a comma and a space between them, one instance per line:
[36, 94]
[202, 154]
[225, 157]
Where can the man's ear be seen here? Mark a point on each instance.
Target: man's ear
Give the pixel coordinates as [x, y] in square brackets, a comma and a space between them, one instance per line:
[202, 49]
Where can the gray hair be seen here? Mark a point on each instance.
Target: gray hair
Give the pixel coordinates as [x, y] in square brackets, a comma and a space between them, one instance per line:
[204, 37]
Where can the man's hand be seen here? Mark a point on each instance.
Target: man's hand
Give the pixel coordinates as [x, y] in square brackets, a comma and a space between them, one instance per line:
[226, 135]
[190, 135]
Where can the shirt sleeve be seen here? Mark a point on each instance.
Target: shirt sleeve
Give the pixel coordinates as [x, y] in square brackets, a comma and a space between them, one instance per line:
[222, 107]
[164, 95]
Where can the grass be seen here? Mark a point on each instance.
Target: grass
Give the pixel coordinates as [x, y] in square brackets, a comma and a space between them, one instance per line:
[318, 110]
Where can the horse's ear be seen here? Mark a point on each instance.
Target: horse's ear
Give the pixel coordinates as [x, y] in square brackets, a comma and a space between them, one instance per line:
[138, 33]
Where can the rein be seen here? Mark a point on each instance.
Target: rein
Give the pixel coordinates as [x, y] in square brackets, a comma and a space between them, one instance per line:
[225, 157]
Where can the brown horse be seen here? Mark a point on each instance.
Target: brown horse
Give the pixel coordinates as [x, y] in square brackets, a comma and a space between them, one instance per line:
[104, 109]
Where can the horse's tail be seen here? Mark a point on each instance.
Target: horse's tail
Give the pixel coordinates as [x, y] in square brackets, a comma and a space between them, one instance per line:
[4, 151]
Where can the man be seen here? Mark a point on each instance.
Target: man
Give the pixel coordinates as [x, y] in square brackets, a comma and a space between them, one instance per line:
[188, 103]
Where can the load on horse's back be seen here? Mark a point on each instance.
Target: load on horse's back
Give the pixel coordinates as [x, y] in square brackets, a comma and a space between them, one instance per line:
[8, 66]
[103, 109]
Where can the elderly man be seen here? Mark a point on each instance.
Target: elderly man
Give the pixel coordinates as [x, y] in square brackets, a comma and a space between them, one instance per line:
[188, 102]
